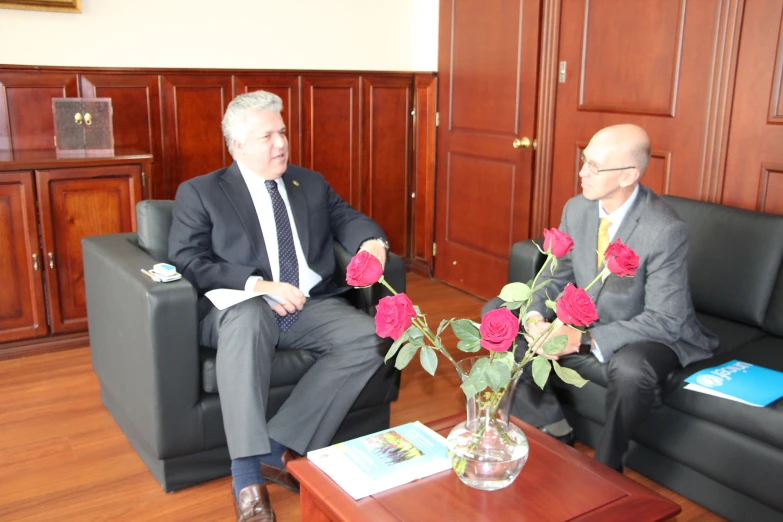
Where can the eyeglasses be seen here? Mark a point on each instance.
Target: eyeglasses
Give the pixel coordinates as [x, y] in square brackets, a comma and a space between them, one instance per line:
[593, 169]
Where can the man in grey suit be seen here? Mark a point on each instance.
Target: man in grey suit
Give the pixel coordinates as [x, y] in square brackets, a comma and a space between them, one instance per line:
[647, 326]
[265, 226]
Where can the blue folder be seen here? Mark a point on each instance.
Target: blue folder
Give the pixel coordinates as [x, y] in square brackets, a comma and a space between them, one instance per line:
[739, 381]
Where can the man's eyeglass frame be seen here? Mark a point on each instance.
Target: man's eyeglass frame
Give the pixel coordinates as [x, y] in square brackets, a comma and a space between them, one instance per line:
[593, 169]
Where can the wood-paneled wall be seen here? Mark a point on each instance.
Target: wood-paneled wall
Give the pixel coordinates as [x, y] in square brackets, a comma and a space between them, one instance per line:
[358, 129]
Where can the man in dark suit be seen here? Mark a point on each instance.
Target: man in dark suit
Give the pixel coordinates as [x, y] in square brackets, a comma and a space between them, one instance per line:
[265, 226]
[647, 326]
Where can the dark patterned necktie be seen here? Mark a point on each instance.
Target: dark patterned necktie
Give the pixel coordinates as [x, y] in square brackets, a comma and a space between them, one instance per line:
[289, 267]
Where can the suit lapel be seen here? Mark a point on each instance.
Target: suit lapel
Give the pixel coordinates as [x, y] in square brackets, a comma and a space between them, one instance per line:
[590, 258]
[237, 193]
[298, 202]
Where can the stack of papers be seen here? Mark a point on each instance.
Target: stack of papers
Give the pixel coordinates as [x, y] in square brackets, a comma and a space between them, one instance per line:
[739, 381]
[383, 460]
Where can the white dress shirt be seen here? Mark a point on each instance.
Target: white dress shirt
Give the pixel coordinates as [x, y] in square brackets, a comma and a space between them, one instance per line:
[266, 217]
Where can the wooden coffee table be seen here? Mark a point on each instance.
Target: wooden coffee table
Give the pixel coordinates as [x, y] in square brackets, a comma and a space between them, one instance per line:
[557, 483]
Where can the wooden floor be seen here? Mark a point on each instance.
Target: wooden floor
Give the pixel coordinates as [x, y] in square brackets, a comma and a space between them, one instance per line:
[62, 457]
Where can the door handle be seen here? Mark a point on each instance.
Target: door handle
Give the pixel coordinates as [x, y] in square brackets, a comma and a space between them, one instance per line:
[523, 143]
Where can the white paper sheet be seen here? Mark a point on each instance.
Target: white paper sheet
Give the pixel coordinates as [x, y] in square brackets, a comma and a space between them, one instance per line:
[223, 298]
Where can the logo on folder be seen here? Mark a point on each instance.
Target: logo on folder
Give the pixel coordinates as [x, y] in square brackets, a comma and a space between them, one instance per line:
[709, 381]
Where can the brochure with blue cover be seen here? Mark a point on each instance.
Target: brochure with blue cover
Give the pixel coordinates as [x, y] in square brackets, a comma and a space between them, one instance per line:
[383, 460]
[739, 381]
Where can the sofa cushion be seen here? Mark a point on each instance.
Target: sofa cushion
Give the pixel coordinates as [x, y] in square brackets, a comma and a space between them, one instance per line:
[153, 221]
[733, 260]
[732, 335]
[773, 323]
[764, 424]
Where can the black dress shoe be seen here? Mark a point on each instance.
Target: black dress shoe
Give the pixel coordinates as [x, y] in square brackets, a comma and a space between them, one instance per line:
[569, 438]
[253, 505]
[281, 476]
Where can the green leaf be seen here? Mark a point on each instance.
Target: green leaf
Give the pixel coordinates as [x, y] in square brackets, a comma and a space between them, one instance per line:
[414, 332]
[498, 375]
[568, 375]
[429, 360]
[541, 369]
[553, 266]
[513, 305]
[470, 347]
[515, 292]
[419, 341]
[555, 345]
[506, 358]
[417, 309]
[404, 357]
[395, 346]
[443, 324]
[465, 330]
[551, 304]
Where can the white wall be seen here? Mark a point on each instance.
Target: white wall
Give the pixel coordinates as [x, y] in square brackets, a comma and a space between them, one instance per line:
[379, 35]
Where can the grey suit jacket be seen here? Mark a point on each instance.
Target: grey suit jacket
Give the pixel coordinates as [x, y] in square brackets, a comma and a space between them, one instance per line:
[216, 239]
[653, 306]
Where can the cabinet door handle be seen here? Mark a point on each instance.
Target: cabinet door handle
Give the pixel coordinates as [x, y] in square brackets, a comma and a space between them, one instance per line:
[35, 262]
[51, 260]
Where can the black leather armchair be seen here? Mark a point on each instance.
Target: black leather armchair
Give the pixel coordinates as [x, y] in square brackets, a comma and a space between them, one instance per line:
[159, 384]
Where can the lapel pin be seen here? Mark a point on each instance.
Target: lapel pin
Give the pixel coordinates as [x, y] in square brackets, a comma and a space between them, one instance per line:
[296, 183]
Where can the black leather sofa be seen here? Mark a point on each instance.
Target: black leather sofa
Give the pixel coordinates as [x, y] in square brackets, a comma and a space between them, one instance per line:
[721, 454]
[159, 384]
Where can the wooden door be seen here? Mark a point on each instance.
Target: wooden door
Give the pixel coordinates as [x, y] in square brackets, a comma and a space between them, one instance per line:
[330, 132]
[287, 87]
[193, 108]
[664, 65]
[487, 98]
[754, 167]
[75, 203]
[22, 310]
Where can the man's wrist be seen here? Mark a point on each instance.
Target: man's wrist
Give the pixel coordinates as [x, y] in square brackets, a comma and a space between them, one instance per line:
[380, 240]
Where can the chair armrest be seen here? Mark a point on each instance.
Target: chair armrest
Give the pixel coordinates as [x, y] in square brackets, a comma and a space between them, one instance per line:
[525, 261]
[366, 298]
[143, 343]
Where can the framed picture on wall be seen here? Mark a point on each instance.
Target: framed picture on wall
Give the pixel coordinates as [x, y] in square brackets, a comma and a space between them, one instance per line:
[64, 6]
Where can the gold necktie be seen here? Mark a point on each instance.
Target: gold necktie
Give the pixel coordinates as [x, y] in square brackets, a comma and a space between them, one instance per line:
[603, 239]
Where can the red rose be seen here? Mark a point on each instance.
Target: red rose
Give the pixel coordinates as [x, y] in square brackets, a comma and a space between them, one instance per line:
[363, 270]
[620, 259]
[393, 316]
[558, 241]
[575, 307]
[498, 330]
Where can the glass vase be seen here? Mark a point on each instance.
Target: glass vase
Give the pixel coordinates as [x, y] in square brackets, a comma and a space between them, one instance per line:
[487, 451]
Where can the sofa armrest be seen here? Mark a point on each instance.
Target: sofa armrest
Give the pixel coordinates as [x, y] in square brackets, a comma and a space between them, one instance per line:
[525, 261]
[143, 343]
[366, 298]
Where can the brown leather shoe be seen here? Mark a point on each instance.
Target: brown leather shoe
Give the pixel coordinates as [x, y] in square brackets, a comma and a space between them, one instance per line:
[281, 476]
[254, 505]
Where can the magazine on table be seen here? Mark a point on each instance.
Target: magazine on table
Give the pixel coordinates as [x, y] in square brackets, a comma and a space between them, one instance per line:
[383, 460]
[739, 381]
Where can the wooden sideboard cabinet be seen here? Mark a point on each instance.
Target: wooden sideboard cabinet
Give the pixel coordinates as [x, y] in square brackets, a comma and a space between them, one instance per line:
[47, 205]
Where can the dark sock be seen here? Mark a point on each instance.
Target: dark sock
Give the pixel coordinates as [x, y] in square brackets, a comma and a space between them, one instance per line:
[275, 455]
[246, 471]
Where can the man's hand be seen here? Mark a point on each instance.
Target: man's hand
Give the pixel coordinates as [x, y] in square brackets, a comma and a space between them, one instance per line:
[536, 326]
[376, 248]
[293, 298]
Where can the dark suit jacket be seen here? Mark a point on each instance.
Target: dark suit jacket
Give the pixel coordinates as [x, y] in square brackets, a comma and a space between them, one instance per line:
[653, 306]
[216, 240]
